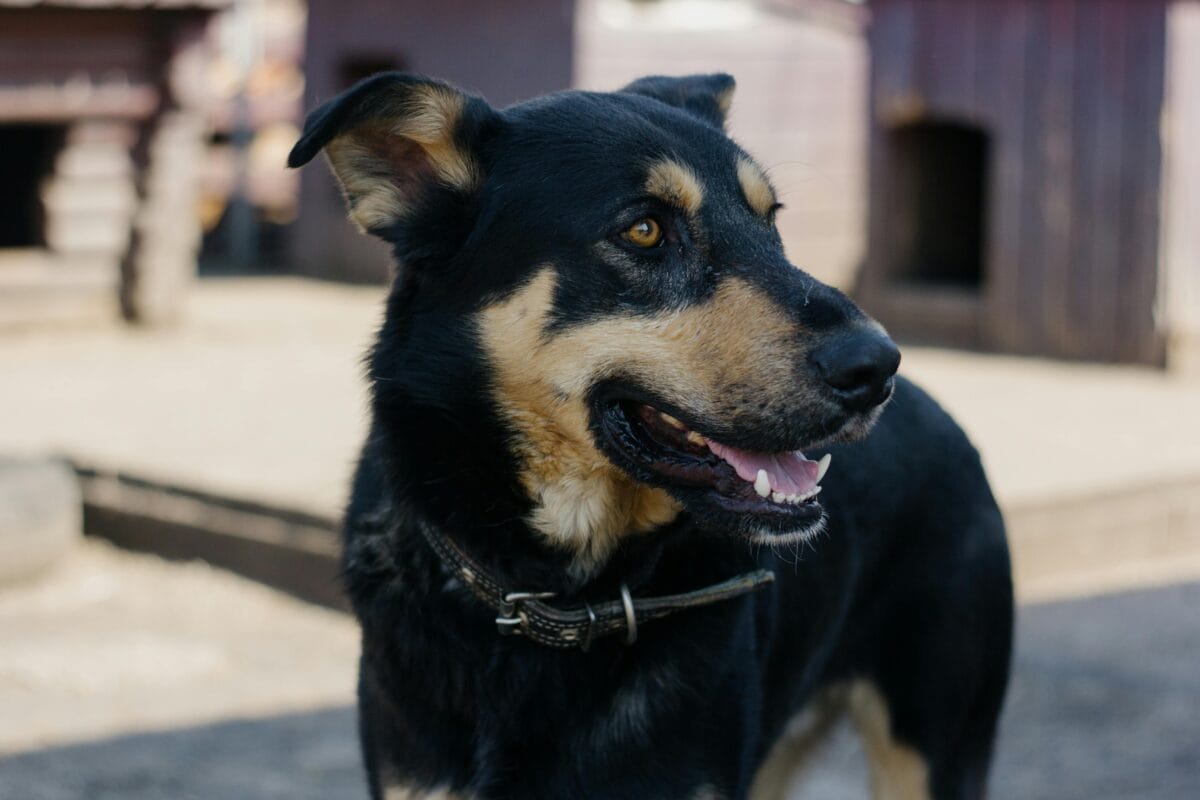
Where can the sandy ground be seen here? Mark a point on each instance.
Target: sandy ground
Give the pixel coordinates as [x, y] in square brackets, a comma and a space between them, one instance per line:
[124, 676]
[258, 394]
[109, 642]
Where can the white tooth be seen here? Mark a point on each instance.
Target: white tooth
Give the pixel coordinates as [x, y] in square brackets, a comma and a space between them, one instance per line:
[762, 484]
[696, 439]
[776, 497]
[823, 466]
[793, 499]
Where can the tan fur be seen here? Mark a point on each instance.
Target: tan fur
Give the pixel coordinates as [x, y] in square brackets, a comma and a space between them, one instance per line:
[398, 792]
[676, 185]
[362, 158]
[898, 772]
[804, 733]
[690, 356]
[725, 101]
[367, 183]
[431, 122]
[755, 186]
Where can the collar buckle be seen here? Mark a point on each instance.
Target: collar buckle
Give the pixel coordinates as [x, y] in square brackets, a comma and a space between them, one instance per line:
[511, 618]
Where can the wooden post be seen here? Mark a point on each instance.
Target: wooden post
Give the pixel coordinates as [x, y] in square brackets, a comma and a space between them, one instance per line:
[1178, 306]
[166, 235]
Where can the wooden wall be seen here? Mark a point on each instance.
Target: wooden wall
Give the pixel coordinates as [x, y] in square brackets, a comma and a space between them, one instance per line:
[1070, 94]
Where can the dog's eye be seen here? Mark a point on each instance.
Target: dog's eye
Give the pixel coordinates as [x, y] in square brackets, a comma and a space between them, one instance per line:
[646, 232]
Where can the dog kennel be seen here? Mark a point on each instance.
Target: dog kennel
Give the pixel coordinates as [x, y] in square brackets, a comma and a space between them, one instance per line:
[101, 131]
[1032, 169]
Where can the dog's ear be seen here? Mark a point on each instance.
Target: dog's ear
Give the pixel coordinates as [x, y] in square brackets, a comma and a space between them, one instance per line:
[705, 96]
[393, 139]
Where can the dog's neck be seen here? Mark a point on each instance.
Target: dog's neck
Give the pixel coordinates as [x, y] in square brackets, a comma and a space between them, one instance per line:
[520, 557]
[489, 512]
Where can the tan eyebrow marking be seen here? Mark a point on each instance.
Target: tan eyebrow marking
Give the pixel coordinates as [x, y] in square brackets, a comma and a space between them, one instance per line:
[675, 184]
[755, 186]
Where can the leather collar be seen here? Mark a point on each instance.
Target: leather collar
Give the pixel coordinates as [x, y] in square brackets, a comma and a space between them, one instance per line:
[533, 616]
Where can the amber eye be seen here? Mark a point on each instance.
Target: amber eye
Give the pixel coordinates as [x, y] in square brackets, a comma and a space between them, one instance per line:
[646, 232]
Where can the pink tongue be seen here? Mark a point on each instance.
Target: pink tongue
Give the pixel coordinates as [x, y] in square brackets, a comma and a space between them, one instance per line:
[789, 473]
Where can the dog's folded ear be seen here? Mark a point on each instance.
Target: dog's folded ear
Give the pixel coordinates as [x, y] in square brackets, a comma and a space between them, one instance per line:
[392, 140]
[705, 96]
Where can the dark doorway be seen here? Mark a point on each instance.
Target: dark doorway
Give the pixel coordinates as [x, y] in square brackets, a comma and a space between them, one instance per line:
[937, 188]
[26, 158]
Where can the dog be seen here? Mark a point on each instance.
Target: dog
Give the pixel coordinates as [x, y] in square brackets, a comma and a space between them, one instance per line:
[591, 540]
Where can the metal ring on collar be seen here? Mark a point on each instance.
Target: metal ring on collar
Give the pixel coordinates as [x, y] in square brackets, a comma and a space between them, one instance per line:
[630, 617]
[587, 637]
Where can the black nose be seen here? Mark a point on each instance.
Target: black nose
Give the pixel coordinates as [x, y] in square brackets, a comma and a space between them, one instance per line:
[858, 366]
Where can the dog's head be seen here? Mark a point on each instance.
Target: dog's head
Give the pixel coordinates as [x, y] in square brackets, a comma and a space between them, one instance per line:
[608, 269]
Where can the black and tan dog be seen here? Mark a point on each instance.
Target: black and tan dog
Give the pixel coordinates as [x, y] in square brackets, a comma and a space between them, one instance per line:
[603, 405]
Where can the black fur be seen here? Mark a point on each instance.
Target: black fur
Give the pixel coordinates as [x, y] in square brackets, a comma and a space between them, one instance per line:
[909, 587]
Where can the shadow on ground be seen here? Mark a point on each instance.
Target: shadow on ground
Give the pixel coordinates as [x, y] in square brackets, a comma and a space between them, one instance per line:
[308, 756]
[1103, 705]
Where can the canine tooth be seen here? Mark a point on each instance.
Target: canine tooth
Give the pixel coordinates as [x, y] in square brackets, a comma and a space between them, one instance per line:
[674, 423]
[823, 466]
[776, 497]
[762, 484]
[696, 439]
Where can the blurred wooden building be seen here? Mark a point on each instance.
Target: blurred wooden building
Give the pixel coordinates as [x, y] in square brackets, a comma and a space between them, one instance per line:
[503, 51]
[101, 134]
[1035, 176]
[800, 104]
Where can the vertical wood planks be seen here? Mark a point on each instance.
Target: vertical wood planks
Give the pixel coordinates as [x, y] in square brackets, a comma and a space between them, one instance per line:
[891, 36]
[1002, 70]
[1138, 337]
[1070, 94]
[1054, 141]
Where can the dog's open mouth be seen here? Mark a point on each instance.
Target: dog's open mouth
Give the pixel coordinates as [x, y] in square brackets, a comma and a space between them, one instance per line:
[777, 489]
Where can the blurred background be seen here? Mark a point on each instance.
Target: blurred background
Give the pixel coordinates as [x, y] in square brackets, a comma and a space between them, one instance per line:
[1012, 187]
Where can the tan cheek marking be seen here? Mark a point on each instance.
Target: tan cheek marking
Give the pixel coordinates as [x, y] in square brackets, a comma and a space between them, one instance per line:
[898, 772]
[582, 502]
[380, 165]
[676, 185]
[690, 357]
[755, 187]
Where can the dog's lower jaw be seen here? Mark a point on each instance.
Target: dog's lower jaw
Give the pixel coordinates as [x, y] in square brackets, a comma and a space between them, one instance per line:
[588, 514]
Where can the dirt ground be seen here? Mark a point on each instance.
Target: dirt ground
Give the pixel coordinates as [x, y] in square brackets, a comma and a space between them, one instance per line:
[124, 676]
